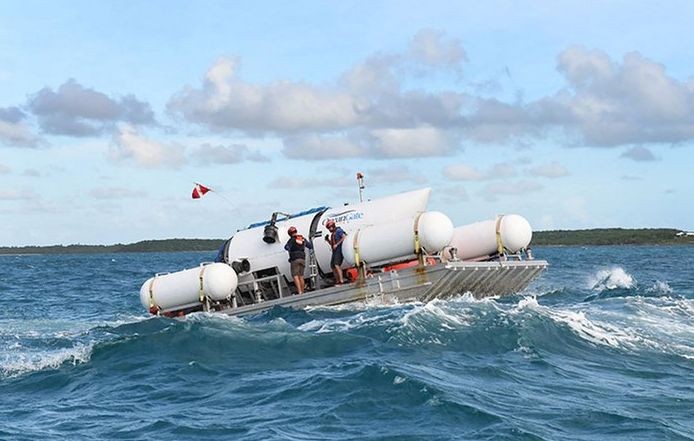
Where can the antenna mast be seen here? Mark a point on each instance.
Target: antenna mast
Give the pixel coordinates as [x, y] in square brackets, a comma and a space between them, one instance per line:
[360, 182]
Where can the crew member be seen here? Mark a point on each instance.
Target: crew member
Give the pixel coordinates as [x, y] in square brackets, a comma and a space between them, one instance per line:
[335, 238]
[297, 257]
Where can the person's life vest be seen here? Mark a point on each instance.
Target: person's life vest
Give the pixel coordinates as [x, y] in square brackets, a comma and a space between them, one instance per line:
[297, 244]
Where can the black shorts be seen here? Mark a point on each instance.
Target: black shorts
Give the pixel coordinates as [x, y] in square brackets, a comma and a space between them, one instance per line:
[337, 258]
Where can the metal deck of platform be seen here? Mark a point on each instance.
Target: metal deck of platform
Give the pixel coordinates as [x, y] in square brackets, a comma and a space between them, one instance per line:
[422, 283]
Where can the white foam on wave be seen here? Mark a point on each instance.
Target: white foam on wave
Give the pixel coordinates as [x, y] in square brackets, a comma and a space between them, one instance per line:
[686, 306]
[660, 287]
[611, 278]
[225, 324]
[441, 311]
[23, 339]
[200, 316]
[354, 306]
[433, 322]
[15, 364]
[661, 324]
[527, 302]
[666, 322]
[423, 320]
[343, 324]
[399, 380]
[683, 351]
[594, 331]
[60, 328]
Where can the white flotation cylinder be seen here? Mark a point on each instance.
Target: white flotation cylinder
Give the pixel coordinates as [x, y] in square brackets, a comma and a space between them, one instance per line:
[376, 244]
[480, 239]
[182, 289]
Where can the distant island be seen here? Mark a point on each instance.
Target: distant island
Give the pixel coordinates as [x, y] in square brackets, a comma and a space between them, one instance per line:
[614, 236]
[598, 236]
[145, 246]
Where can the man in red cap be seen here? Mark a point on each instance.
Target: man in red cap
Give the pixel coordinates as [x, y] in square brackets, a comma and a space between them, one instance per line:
[296, 246]
[335, 239]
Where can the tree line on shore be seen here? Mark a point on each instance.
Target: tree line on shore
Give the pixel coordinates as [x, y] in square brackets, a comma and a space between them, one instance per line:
[612, 236]
[598, 236]
[154, 246]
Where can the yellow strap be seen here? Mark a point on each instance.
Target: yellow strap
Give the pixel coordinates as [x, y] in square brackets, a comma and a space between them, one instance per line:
[417, 244]
[202, 290]
[499, 243]
[355, 244]
[151, 292]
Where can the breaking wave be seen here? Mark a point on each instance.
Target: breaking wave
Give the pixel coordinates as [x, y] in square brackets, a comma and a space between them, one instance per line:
[36, 345]
[612, 278]
[660, 287]
[466, 324]
[25, 362]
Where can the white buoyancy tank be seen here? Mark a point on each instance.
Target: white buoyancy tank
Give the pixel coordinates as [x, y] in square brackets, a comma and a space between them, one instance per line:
[480, 239]
[381, 243]
[182, 289]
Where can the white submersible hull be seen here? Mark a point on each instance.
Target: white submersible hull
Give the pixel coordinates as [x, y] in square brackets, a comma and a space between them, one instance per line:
[395, 251]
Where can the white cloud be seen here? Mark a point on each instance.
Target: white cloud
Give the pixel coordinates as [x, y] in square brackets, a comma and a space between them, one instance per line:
[367, 97]
[75, 110]
[17, 135]
[584, 68]
[640, 154]
[373, 77]
[635, 101]
[227, 102]
[552, 170]
[130, 146]
[430, 47]
[411, 142]
[4, 170]
[379, 109]
[14, 132]
[365, 112]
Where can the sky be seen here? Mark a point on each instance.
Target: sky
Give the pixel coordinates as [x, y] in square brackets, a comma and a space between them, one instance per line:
[572, 114]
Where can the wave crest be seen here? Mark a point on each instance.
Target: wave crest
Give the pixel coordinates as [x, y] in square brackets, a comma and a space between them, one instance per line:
[612, 278]
[23, 363]
[660, 287]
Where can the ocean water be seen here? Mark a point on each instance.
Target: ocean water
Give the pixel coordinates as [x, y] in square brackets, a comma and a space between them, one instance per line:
[601, 347]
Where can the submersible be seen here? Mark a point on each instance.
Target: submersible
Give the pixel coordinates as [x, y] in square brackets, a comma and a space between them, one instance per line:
[395, 251]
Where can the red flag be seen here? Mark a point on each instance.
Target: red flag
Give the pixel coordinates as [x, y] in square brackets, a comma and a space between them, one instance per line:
[199, 190]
